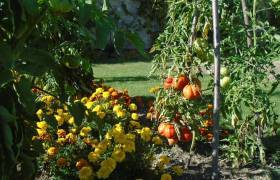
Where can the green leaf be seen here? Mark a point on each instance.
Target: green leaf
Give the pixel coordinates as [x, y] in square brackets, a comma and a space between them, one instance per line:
[137, 42]
[6, 76]
[6, 58]
[119, 40]
[31, 6]
[104, 26]
[25, 97]
[5, 115]
[7, 135]
[77, 110]
[37, 62]
[28, 167]
[38, 56]
[85, 13]
[32, 69]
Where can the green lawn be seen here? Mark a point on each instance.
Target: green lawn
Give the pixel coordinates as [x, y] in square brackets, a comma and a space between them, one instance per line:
[132, 76]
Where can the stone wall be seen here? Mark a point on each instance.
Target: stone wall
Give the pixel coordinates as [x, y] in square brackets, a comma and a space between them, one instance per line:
[140, 16]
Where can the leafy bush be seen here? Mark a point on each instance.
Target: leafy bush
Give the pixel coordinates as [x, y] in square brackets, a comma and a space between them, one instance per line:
[97, 136]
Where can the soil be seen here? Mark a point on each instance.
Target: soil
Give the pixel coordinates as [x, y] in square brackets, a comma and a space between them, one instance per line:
[198, 166]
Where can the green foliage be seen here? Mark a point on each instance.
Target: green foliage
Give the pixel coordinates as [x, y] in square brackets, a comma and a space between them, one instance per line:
[246, 107]
[45, 47]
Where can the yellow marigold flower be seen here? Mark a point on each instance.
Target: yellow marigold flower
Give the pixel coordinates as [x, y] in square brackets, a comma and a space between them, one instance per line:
[133, 107]
[166, 176]
[84, 100]
[154, 89]
[178, 170]
[89, 104]
[109, 163]
[49, 111]
[71, 121]
[120, 114]
[104, 173]
[59, 111]
[120, 138]
[61, 162]
[52, 151]
[103, 145]
[42, 125]
[61, 133]
[129, 146]
[47, 100]
[134, 124]
[106, 94]
[119, 128]
[118, 154]
[117, 108]
[41, 132]
[99, 90]
[98, 150]
[84, 131]
[149, 115]
[86, 173]
[71, 138]
[59, 119]
[81, 163]
[61, 141]
[40, 114]
[157, 140]
[134, 116]
[97, 108]
[146, 134]
[93, 157]
[130, 136]
[65, 107]
[66, 116]
[73, 130]
[101, 114]
[164, 159]
[109, 135]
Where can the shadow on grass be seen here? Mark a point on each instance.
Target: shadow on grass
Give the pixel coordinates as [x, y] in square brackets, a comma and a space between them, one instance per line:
[128, 78]
[121, 60]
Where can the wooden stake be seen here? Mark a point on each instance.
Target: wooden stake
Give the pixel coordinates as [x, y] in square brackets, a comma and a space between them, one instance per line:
[246, 23]
[217, 64]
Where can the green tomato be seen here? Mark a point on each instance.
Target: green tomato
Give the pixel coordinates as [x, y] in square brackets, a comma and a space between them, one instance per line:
[224, 71]
[71, 62]
[60, 6]
[275, 1]
[225, 81]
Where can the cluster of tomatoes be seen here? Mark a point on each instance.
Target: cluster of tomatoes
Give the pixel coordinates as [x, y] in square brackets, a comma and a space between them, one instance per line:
[168, 130]
[191, 90]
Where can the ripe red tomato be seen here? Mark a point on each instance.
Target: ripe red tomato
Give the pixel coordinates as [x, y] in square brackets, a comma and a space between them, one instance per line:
[186, 134]
[172, 141]
[192, 91]
[161, 128]
[168, 82]
[181, 82]
[169, 131]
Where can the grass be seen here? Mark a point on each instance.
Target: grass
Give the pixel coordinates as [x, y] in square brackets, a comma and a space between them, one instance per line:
[132, 76]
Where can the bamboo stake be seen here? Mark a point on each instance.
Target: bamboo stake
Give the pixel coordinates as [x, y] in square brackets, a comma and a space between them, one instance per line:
[246, 23]
[216, 117]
